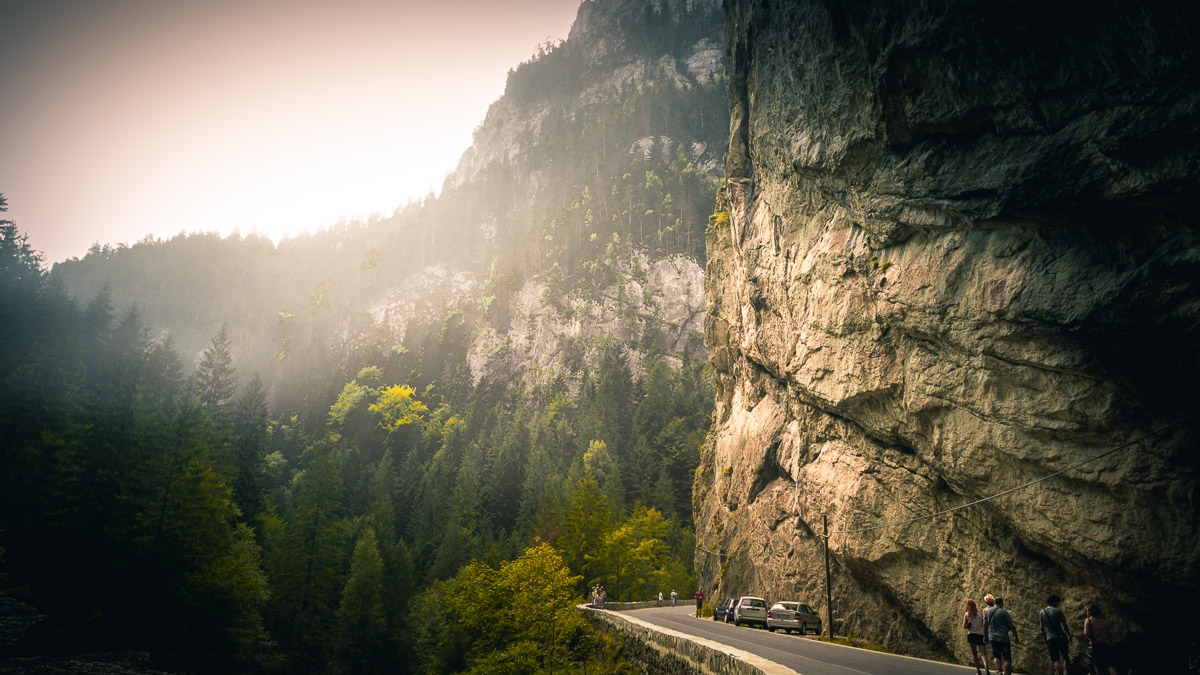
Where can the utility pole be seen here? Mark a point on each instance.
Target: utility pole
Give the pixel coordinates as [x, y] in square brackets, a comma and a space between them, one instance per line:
[828, 593]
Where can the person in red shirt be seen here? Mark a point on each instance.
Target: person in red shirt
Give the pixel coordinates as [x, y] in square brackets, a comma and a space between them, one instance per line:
[699, 601]
[1095, 627]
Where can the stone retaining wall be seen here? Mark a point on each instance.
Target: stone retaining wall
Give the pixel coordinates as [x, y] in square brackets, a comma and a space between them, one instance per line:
[662, 650]
[623, 606]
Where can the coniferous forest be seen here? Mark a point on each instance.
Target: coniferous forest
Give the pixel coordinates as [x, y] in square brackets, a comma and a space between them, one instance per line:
[216, 454]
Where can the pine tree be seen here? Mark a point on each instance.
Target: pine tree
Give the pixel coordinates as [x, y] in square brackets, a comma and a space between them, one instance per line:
[306, 568]
[599, 462]
[585, 528]
[211, 601]
[20, 282]
[250, 441]
[361, 625]
[165, 379]
[214, 375]
[398, 573]
[97, 327]
[129, 352]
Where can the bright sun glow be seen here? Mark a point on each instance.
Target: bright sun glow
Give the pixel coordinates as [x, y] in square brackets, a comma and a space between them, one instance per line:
[139, 117]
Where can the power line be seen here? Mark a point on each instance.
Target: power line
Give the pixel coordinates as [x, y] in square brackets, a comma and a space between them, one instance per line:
[1014, 489]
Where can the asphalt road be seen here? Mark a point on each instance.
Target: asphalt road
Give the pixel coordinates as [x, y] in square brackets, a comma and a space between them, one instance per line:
[806, 656]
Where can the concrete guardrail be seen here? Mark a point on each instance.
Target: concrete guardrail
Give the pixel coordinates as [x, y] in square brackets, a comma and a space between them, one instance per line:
[662, 650]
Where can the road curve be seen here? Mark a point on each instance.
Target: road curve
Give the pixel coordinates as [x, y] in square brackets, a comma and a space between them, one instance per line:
[806, 656]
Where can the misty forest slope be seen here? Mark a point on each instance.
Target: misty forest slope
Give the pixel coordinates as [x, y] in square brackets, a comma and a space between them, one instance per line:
[241, 456]
[600, 160]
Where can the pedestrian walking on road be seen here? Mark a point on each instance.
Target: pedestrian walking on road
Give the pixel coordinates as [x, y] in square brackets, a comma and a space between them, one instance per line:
[699, 601]
[997, 624]
[1056, 632]
[660, 598]
[973, 622]
[674, 597]
[1095, 627]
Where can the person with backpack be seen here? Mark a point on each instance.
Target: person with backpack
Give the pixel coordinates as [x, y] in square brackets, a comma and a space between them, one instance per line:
[997, 623]
[1056, 633]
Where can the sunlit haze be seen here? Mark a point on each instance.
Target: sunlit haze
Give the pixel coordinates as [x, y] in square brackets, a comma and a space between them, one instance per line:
[133, 117]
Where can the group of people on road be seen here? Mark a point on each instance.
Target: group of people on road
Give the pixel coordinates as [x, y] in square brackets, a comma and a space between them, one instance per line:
[598, 596]
[993, 625]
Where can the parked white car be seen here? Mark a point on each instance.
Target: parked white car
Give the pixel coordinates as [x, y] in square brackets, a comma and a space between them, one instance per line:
[787, 615]
[750, 609]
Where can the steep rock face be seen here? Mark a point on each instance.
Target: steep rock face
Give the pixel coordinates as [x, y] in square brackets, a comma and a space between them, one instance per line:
[657, 305]
[960, 255]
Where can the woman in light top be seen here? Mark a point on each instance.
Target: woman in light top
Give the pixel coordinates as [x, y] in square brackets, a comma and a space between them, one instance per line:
[973, 622]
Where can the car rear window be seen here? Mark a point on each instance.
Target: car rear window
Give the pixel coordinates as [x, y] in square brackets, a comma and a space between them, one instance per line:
[788, 605]
[756, 603]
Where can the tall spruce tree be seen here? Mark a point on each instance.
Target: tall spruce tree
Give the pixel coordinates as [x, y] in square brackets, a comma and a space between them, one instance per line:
[362, 629]
[214, 375]
[250, 442]
[306, 568]
[585, 529]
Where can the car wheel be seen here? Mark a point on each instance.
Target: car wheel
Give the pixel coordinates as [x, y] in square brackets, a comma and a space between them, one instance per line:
[770, 628]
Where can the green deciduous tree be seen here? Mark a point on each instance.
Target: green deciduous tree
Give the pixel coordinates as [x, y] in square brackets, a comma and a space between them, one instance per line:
[636, 556]
[534, 628]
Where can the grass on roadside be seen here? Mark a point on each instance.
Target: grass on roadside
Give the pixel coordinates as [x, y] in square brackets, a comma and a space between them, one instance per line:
[851, 641]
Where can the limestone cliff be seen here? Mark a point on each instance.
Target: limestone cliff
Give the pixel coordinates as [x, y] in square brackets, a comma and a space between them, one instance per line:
[960, 253]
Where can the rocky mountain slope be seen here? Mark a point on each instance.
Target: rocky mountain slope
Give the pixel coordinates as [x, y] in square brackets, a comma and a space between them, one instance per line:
[586, 193]
[960, 254]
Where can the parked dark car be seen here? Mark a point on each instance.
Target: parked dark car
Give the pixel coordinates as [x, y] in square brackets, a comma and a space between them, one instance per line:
[724, 611]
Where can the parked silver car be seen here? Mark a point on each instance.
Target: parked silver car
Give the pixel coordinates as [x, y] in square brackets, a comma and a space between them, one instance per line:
[797, 616]
[749, 609]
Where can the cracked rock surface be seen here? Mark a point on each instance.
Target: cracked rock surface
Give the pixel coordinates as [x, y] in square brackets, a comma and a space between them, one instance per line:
[961, 254]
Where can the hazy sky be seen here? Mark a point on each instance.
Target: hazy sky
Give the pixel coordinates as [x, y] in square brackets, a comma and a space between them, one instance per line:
[120, 118]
